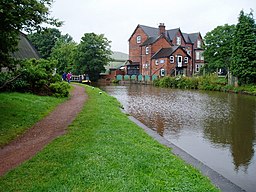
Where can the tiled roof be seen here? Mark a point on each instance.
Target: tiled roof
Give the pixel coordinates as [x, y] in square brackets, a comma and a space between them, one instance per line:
[150, 40]
[153, 35]
[25, 49]
[150, 31]
[165, 52]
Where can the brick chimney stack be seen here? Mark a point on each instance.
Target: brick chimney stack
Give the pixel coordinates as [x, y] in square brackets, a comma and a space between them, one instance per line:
[161, 29]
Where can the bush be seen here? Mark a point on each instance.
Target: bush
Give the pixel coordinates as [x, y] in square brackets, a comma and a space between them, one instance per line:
[60, 89]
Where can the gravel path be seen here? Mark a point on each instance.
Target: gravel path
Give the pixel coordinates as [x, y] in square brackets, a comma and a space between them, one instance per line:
[43, 132]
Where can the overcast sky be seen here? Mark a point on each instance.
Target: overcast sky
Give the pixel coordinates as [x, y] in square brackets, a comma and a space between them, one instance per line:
[117, 19]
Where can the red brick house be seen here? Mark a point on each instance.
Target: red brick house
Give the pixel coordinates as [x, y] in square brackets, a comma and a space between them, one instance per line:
[156, 51]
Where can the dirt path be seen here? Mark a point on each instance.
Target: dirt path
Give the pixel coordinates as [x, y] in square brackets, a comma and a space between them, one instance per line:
[42, 133]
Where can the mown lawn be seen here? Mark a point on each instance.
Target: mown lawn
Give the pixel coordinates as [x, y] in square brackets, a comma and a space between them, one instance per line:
[19, 111]
[104, 151]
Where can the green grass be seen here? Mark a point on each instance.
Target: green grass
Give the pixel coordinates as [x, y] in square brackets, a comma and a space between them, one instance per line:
[105, 151]
[20, 111]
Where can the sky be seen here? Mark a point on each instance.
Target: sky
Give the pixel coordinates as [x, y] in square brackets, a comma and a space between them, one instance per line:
[117, 19]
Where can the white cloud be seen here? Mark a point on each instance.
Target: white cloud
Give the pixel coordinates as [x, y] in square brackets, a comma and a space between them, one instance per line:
[117, 19]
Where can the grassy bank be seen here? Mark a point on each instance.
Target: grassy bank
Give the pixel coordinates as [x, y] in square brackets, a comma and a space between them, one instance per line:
[20, 111]
[209, 83]
[105, 151]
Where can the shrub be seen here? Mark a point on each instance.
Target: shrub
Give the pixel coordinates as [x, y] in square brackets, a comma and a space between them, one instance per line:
[60, 89]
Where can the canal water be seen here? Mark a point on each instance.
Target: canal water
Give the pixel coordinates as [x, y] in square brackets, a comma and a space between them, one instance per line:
[219, 129]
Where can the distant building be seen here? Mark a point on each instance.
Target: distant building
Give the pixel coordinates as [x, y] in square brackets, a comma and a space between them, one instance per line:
[157, 51]
[115, 67]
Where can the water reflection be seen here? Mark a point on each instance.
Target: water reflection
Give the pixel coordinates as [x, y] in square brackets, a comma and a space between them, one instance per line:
[217, 128]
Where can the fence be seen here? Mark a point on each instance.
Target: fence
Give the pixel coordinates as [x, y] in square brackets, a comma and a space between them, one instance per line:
[136, 78]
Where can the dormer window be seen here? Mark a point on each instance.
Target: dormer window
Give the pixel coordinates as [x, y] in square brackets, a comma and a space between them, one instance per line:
[198, 44]
[147, 50]
[171, 59]
[139, 39]
[178, 41]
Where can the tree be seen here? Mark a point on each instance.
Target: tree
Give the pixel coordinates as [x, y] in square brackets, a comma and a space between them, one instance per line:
[64, 53]
[93, 53]
[218, 51]
[244, 49]
[45, 40]
[20, 15]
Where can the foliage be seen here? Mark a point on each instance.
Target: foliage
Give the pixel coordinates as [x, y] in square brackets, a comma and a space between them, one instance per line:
[244, 49]
[45, 40]
[17, 16]
[93, 53]
[60, 89]
[104, 151]
[64, 54]
[32, 76]
[218, 51]
[21, 111]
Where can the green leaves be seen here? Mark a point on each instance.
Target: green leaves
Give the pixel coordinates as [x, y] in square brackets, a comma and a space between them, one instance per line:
[93, 53]
[218, 43]
[244, 49]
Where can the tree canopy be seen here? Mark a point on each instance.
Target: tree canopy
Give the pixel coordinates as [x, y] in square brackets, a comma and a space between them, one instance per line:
[26, 15]
[93, 53]
[218, 47]
[244, 49]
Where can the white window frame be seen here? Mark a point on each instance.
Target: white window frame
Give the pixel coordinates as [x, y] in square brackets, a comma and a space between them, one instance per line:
[147, 50]
[162, 72]
[156, 62]
[197, 68]
[189, 52]
[186, 60]
[178, 40]
[138, 39]
[198, 44]
[179, 61]
[197, 55]
[171, 59]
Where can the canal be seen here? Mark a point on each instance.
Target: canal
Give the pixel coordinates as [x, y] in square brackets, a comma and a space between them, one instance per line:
[216, 128]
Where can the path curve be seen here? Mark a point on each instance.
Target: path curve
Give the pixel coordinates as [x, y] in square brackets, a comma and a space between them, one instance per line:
[43, 132]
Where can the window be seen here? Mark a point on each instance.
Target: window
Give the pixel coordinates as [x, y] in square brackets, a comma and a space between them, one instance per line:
[197, 68]
[185, 59]
[179, 61]
[161, 61]
[139, 39]
[147, 50]
[156, 62]
[178, 41]
[197, 55]
[171, 59]
[162, 72]
[189, 52]
[198, 44]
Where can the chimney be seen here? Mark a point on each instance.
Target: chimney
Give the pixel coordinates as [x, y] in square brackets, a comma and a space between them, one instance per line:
[161, 29]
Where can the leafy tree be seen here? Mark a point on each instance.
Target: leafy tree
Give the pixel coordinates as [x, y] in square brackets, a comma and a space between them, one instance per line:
[218, 51]
[244, 49]
[93, 53]
[64, 53]
[45, 40]
[17, 16]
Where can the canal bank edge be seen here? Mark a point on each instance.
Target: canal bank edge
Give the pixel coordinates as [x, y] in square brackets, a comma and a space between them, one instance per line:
[218, 180]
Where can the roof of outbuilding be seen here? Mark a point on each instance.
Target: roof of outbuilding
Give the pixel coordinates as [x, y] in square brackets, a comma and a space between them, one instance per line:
[25, 49]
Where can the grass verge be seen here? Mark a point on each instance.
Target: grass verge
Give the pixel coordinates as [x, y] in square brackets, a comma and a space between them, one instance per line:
[20, 111]
[105, 151]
